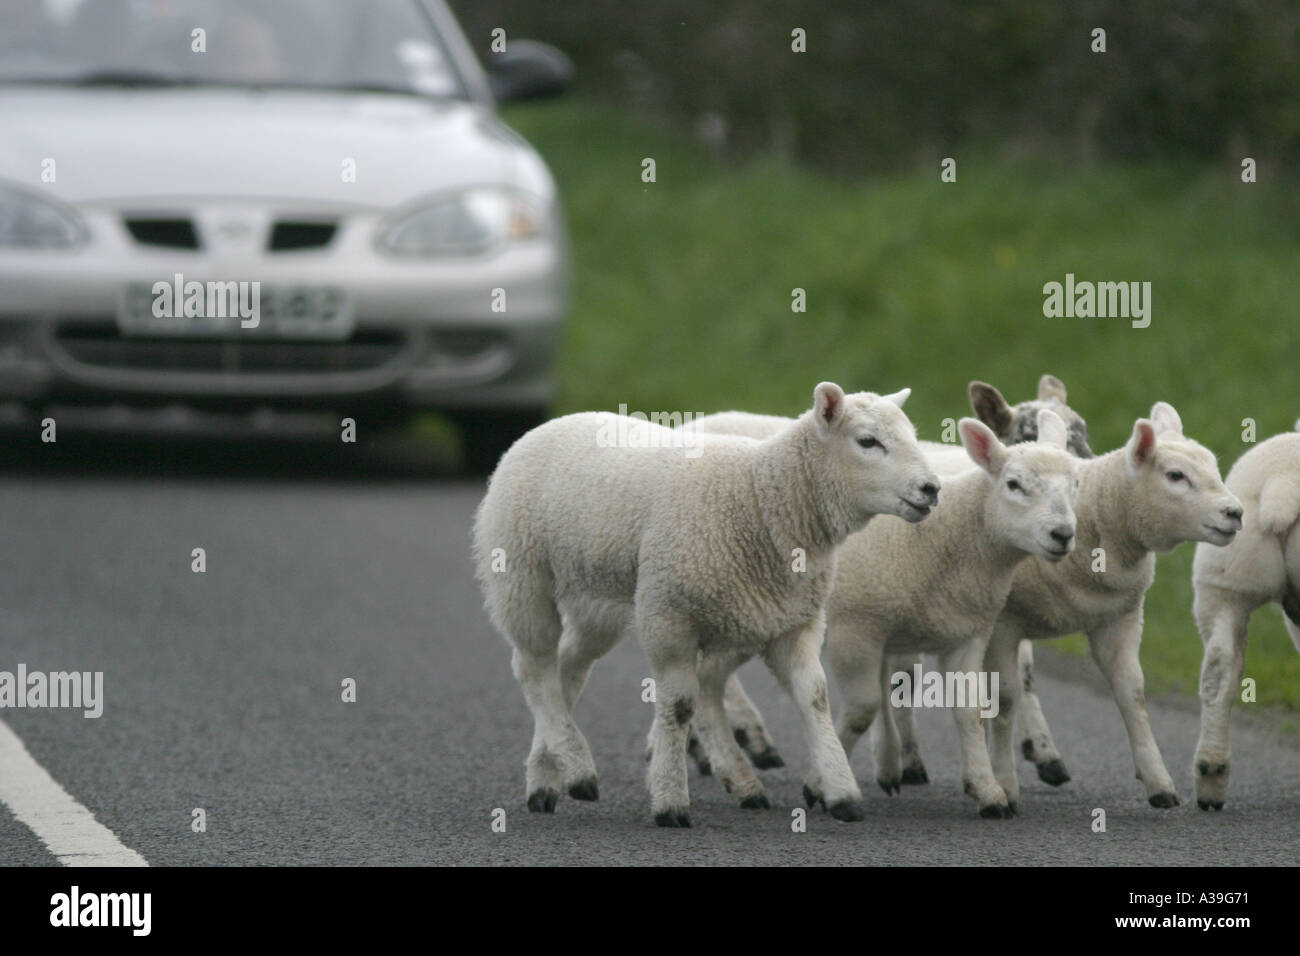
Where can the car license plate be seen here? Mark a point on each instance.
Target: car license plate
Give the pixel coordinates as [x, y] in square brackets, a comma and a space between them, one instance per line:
[230, 309]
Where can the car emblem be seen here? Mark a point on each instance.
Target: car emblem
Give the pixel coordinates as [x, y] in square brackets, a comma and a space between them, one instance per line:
[234, 230]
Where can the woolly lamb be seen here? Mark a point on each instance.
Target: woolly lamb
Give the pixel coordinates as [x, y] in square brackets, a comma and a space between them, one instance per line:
[940, 586]
[1012, 424]
[727, 547]
[1161, 489]
[1262, 566]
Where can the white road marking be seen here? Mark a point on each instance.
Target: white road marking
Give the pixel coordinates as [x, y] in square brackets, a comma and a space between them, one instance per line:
[68, 829]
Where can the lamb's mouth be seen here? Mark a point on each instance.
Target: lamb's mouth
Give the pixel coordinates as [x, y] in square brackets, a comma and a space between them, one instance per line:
[1056, 554]
[912, 511]
[1227, 534]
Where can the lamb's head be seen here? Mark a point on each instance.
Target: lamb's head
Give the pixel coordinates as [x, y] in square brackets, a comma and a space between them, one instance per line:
[1034, 485]
[1177, 493]
[872, 446]
[1017, 423]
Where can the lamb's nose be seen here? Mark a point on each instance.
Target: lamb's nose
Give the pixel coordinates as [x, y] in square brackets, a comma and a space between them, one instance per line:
[1234, 512]
[930, 490]
[1063, 535]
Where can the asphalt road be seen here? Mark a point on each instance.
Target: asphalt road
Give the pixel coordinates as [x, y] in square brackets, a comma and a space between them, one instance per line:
[327, 561]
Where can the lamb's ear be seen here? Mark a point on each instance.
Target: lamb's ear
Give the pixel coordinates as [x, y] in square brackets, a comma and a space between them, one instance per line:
[990, 407]
[1051, 429]
[982, 445]
[1049, 386]
[898, 398]
[1165, 418]
[1141, 447]
[828, 405]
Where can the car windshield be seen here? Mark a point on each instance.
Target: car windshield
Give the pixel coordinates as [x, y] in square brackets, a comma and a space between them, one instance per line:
[329, 44]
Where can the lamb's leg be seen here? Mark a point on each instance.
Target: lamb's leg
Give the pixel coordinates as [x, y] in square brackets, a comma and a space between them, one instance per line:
[728, 761]
[1035, 737]
[673, 653]
[1115, 649]
[905, 721]
[747, 724]
[889, 750]
[856, 665]
[976, 769]
[694, 749]
[560, 756]
[795, 660]
[1001, 659]
[1221, 618]
[580, 647]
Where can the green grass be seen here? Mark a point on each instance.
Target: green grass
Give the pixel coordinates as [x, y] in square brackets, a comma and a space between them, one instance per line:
[682, 292]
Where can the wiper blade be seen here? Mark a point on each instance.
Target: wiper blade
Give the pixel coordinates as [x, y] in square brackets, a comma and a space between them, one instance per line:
[106, 78]
[360, 87]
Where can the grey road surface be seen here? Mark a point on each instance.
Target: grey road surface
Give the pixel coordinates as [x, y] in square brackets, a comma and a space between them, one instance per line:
[223, 692]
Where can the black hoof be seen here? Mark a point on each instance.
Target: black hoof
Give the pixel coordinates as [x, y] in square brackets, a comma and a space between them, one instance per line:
[673, 818]
[741, 736]
[850, 811]
[704, 767]
[1012, 807]
[585, 790]
[756, 802]
[1027, 748]
[890, 787]
[913, 776]
[1215, 805]
[1163, 801]
[811, 799]
[768, 759]
[1053, 772]
[542, 801]
[996, 811]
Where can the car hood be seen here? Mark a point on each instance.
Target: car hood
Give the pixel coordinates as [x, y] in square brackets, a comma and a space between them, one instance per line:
[115, 145]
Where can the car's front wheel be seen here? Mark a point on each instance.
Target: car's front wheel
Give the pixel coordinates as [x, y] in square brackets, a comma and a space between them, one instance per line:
[485, 435]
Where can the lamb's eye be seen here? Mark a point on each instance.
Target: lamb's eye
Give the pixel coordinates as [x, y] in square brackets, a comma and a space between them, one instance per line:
[869, 442]
[1175, 476]
[1013, 485]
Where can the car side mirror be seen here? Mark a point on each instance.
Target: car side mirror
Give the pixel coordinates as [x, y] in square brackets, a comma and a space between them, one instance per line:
[528, 70]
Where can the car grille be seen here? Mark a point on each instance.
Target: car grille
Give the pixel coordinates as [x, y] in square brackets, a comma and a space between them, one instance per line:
[99, 344]
[170, 233]
[287, 236]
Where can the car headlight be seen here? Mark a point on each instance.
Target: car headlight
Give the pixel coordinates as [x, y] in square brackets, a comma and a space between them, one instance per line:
[30, 222]
[466, 223]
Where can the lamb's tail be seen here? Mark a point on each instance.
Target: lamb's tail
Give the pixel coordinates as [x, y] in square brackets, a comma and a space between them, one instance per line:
[518, 587]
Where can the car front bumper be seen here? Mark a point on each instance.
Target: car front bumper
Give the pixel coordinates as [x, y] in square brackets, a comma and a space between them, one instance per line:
[464, 334]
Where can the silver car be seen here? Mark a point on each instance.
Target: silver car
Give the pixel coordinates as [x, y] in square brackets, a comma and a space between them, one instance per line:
[275, 203]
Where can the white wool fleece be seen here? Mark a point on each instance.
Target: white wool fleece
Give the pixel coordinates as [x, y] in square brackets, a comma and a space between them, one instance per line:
[727, 550]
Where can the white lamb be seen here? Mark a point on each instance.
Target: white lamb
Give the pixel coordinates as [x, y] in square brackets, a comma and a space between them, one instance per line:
[1262, 566]
[1161, 489]
[727, 547]
[939, 587]
[1012, 424]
